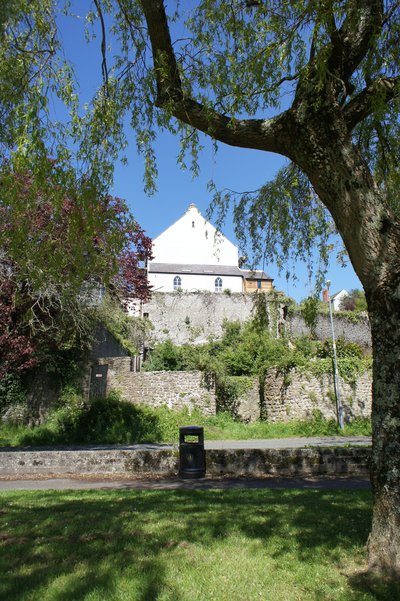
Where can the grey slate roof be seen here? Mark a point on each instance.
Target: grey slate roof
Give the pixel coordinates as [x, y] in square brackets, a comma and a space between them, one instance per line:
[339, 292]
[225, 270]
[255, 274]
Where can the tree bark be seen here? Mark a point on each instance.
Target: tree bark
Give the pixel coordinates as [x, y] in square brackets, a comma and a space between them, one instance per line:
[384, 539]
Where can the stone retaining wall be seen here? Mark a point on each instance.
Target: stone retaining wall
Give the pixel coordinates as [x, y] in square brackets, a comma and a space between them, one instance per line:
[289, 396]
[150, 460]
[175, 389]
[194, 317]
[359, 332]
[297, 396]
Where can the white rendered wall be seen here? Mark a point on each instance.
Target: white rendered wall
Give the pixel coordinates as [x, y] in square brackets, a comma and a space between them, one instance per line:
[338, 299]
[164, 282]
[193, 240]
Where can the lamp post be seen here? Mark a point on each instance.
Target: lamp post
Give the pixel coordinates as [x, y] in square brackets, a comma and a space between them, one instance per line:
[339, 408]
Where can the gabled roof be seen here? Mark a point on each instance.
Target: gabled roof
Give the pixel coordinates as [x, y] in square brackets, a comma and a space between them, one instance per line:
[338, 293]
[190, 208]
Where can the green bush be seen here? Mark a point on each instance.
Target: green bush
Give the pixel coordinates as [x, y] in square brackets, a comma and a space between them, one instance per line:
[167, 356]
[127, 330]
[229, 389]
[13, 406]
[12, 391]
[110, 420]
[309, 312]
[344, 349]
[306, 346]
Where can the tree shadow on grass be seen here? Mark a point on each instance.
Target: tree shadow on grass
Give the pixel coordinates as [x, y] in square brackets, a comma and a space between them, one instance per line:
[381, 589]
[76, 543]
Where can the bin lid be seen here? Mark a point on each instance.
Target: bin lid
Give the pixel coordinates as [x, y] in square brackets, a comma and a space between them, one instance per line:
[194, 430]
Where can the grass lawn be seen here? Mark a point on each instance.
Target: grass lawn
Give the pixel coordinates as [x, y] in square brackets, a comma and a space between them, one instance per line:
[234, 545]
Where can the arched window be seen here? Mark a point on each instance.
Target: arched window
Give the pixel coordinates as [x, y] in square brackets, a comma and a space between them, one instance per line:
[218, 285]
[177, 282]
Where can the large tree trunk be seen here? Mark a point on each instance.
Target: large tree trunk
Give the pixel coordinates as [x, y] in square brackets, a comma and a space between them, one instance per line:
[371, 234]
[384, 540]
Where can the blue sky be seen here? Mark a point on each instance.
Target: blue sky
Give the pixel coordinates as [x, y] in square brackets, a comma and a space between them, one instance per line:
[234, 168]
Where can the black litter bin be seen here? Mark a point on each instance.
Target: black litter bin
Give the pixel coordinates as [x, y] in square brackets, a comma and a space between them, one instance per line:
[192, 457]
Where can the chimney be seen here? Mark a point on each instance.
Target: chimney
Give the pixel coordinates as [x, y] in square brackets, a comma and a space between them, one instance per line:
[325, 295]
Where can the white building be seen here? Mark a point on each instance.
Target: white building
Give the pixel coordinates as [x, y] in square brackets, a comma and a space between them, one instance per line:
[337, 298]
[192, 255]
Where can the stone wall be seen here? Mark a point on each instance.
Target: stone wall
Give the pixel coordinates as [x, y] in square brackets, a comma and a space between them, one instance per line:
[296, 396]
[194, 317]
[175, 389]
[285, 397]
[359, 331]
[162, 460]
[247, 406]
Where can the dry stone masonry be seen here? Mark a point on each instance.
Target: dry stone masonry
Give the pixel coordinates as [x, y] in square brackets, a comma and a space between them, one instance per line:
[174, 389]
[284, 397]
[297, 396]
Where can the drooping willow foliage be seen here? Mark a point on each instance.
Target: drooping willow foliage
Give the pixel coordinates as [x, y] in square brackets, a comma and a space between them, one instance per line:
[235, 58]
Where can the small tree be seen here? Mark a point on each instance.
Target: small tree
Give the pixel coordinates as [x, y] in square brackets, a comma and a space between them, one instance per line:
[309, 312]
[355, 301]
[61, 244]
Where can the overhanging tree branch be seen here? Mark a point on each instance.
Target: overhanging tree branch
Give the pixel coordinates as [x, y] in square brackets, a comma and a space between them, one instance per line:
[104, 68]
[351, 42]
[383, 89]
[261, 134]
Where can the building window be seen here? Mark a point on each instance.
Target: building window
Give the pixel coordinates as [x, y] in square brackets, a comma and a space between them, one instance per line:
[258, 284]
[177, 282]
[218, 285]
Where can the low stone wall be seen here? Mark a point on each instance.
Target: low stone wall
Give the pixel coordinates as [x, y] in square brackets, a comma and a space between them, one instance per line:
[156, 460]
[98, 461]
[175, 389]
[289, 462]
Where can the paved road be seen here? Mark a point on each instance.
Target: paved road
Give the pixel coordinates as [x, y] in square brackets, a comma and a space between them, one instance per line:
[175, 483]
[272, 443]
[290, 443]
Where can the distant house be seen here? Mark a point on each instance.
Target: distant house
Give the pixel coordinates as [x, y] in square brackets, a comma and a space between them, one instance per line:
[191, 255]
[336, 298]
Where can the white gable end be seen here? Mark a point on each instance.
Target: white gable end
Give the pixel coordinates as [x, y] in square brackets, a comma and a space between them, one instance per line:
[194, 240]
